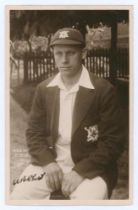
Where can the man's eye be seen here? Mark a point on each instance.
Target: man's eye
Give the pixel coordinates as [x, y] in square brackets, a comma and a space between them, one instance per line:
[71, 53]
[58, 53]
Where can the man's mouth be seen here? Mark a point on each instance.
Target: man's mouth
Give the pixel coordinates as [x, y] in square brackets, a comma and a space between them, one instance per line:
[66, 67]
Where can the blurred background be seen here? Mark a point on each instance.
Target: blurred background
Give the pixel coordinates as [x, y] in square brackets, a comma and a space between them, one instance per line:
[106, 34]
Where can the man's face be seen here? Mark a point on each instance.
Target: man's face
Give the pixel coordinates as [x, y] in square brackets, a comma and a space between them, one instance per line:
[68, 59]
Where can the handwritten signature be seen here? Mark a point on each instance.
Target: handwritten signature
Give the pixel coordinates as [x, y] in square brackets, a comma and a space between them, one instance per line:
[30, 178]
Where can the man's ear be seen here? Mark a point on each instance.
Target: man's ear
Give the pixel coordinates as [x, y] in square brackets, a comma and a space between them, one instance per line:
[84, 53]
[51, 49]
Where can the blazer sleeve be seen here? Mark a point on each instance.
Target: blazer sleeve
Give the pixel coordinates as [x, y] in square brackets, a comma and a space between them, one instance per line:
[111, 136]
[37, 137]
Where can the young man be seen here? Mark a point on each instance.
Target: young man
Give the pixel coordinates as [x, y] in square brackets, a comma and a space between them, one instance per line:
[74, 134]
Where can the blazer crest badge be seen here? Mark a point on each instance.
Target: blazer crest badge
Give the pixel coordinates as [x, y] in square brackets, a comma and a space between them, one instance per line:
[92, 133]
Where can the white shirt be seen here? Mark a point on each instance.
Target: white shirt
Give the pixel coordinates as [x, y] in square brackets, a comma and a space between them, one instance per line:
[67, 100]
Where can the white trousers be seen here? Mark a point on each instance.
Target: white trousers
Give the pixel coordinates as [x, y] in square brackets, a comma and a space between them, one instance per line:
[32, 186]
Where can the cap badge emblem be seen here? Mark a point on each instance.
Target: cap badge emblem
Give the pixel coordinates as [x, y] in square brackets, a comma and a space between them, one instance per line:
[63, 34]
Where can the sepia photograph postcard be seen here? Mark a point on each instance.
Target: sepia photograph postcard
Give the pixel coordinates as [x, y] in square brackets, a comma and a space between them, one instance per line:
[69, 76]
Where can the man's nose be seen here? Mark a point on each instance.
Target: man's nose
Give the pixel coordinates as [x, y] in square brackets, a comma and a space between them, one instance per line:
[64, 58]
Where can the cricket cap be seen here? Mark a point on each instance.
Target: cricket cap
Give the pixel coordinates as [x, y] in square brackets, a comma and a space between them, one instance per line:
[67, 36]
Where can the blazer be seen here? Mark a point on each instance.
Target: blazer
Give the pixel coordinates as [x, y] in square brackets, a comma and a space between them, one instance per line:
[97, 132]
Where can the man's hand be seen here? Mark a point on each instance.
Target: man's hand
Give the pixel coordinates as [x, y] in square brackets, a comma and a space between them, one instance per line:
[70, 182]
[54, 176]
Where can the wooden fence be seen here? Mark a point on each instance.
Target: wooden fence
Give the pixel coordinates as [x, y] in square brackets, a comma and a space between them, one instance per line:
[122, 63]
[40, 66]
[98, 62]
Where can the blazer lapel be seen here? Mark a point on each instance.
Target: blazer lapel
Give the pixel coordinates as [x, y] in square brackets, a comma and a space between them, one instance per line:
[83, 101]
[53, 109]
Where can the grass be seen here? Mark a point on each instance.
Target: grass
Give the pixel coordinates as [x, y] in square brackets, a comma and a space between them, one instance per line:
[24, 95]
[20, 105]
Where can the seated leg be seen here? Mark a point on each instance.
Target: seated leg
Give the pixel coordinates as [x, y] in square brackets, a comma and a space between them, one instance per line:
[31, 185]
[91, 189]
